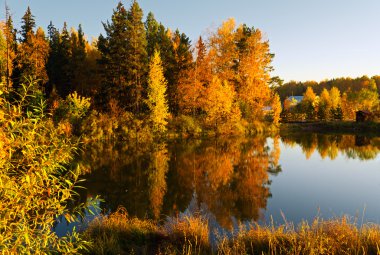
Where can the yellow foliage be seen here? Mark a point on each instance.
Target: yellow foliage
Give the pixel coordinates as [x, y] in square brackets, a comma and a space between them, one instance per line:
[157, 179]
[157, 102]
[33, 54]
[219, 102]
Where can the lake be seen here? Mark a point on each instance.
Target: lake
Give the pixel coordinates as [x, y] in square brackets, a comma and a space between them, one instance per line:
[232, 181]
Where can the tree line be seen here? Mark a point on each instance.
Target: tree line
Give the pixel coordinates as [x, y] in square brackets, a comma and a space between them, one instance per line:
[221, 84]
[335, 99]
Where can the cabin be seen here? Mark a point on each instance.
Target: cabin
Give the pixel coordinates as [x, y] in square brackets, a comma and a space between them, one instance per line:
[296, 99]
[364, 116]
[292, 101]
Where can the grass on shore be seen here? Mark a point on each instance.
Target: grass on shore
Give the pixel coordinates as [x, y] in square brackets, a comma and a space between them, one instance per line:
[120, 234]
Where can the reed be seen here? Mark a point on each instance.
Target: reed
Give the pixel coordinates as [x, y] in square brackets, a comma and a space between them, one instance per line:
[120, 234]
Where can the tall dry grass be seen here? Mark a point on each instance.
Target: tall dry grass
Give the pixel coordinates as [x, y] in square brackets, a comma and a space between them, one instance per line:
[120, 234]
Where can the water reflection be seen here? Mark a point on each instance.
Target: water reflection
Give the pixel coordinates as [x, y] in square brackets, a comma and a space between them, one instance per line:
[229, 178]
[352, 146]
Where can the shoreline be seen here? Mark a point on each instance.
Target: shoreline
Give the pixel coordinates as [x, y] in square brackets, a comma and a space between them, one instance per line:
[340, 127]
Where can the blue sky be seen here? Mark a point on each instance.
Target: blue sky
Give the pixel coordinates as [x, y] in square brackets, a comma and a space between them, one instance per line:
[312, 39]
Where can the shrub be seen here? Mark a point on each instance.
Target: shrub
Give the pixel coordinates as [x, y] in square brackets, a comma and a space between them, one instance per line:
[72, 110]
[36, 178]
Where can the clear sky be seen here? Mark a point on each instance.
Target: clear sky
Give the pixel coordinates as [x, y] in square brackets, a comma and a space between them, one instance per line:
[312, 39]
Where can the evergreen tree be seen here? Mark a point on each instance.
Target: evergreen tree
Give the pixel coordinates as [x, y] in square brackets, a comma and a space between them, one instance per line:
[114, 58]
[183, 61]
[11, 47]
[78, 57]
[28, 24]
[63, 75]
[157, 103]
[152, 31]
[136, 56]
[52, 66]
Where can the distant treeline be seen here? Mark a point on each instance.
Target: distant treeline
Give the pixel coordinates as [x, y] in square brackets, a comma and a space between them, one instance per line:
[336, 99]
[294, 88]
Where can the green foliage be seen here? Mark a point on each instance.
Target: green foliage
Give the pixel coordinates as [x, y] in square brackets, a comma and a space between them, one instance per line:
[71, 112]
[77, 105]
[28, 24]
[37, 179]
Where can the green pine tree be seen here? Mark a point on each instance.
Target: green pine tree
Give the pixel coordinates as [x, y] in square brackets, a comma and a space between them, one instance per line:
[136, 56]
[28, 24]
[114, 58]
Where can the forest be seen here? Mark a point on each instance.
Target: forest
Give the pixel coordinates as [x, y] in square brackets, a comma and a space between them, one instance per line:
[145, 74]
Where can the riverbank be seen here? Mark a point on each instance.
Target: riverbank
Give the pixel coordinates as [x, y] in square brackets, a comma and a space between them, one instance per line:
[342, 127]
[120, 234]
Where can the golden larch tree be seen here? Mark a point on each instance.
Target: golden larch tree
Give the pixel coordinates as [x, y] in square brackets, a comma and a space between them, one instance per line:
[308, 103]
[276, 108]
[157, 102]
[32, 56]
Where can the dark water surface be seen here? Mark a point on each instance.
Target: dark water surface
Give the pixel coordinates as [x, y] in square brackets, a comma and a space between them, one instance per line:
[239, 180]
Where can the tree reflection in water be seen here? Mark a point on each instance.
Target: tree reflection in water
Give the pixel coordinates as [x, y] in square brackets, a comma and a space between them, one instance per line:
[226, 178]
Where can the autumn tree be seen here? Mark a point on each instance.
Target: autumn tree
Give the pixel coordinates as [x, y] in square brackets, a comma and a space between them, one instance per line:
[324, 105]
[253, 69]
[219, 105]
[308, 103]
[336, 103]
[276, 108]
[223, 51]
[348, 110]
[193, 82]
[176, 55]
[32, 56]
[157, 103]
[27, 30]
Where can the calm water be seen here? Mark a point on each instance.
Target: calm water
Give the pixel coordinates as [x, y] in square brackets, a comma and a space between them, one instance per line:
[239, 180]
